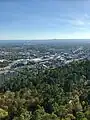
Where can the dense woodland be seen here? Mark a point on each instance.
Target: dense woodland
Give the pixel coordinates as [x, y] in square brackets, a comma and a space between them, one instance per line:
[52, 94]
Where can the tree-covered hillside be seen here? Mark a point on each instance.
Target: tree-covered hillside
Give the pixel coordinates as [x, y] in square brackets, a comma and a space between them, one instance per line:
[52, 94]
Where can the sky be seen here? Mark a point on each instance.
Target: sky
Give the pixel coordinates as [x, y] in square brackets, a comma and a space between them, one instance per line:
[44, 19]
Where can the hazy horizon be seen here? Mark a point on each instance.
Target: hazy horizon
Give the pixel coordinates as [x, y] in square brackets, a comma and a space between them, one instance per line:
[48, 41]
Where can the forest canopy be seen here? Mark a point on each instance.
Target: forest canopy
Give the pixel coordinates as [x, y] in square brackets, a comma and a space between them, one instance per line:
[61, 93]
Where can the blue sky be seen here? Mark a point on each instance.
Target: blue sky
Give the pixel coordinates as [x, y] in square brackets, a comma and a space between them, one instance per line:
[44, 19]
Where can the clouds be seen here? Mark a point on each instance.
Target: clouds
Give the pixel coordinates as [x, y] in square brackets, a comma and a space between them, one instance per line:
[80, 22]
[77, 22]
[83, 20]
[71, 20]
